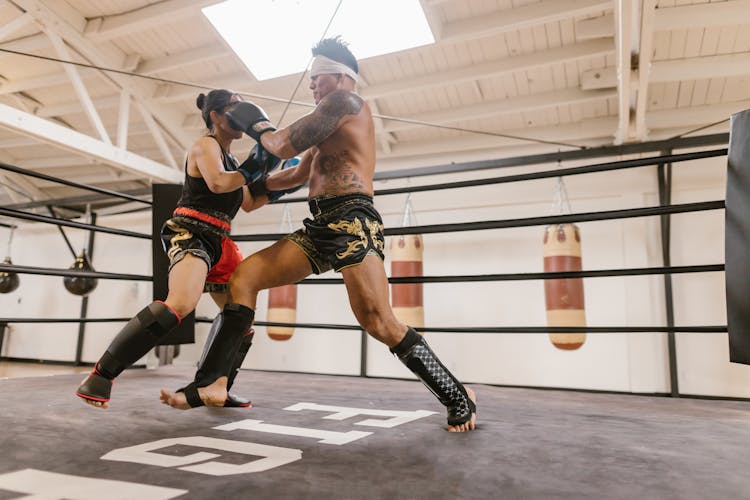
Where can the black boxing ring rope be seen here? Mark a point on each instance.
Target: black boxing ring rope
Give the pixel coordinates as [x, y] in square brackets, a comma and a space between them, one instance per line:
[562, 172]
[661, 210]
[429, 229]
[31, 173]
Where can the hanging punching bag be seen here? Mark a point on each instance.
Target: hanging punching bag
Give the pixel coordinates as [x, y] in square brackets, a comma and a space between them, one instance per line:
[406, 260]
[282, 300]
[8, 280]
[78, 285]
[282, 308]
[564, 297]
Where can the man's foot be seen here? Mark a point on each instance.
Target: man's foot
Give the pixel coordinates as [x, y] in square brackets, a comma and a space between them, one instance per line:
[95, 390]
[471, 424]
[211, 395]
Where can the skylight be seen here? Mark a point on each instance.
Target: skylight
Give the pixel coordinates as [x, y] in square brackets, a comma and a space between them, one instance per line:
[273, 37]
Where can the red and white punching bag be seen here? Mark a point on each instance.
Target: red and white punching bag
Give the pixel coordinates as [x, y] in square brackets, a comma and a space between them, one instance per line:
[282, 308]
[282, 300]
[564, 297]
[406, 260]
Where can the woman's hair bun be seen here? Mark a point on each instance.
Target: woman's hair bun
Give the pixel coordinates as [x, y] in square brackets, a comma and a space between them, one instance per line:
[201, 100]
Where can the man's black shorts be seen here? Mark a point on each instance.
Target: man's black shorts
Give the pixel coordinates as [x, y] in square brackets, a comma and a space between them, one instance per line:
[343, 231]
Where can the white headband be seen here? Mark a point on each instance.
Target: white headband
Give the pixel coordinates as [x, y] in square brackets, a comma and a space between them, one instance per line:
[324, 66]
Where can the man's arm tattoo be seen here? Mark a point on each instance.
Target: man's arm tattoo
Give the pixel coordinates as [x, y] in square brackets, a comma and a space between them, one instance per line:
[321, 123]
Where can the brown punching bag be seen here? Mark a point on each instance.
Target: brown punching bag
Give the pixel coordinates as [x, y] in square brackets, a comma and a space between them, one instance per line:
[282, 300]
[406, 260]
[282, 308]
[564, 297]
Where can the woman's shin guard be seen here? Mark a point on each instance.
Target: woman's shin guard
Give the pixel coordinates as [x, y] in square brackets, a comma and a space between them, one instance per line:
[137, 337]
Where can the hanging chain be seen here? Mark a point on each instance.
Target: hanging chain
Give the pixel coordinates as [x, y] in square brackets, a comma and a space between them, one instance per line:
[286, 220]
[560, 200]
[10, 240]
[409, 217]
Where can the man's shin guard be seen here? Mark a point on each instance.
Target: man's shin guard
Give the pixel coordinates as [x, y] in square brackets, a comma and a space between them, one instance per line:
[137, 337]
[218, 360]
[414, 352]
[247, 340]
[239, 358]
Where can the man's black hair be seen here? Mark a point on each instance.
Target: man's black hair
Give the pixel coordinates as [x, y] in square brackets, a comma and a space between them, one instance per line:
[338, 50]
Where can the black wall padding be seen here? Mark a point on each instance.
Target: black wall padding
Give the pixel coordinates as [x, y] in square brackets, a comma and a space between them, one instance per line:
[165, 198]
[737, 239]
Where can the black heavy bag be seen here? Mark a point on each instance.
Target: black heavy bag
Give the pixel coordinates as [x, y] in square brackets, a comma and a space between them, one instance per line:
[8, 281]
[78, 285]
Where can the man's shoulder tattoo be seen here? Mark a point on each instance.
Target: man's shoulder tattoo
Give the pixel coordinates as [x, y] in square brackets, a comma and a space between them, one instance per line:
[321, 123]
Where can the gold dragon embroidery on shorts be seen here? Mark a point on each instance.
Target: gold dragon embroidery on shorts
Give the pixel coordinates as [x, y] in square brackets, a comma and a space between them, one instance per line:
[182, 234]
[354, 228]
[375, 229]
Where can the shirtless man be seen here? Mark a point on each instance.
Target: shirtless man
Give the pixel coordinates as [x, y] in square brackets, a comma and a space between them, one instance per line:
[345, 232]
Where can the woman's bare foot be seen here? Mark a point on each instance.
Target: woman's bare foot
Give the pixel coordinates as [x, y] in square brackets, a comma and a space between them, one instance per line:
[471, 424]
[214, 394]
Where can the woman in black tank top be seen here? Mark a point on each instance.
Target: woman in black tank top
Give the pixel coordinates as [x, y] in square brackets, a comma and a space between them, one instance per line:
[196, 239]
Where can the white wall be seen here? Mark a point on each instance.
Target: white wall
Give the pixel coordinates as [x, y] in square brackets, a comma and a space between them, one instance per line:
[618, 362]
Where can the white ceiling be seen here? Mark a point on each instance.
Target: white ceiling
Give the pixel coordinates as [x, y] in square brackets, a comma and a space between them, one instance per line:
[578, 72]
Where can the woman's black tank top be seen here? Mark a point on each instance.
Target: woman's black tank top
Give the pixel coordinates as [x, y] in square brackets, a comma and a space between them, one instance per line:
[196, 195]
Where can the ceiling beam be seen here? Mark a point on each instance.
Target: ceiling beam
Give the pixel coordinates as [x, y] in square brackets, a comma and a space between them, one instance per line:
[69, 24]
[694, 116]
[150, 17]
[704, 15]
[584, 132]
[527, 16]
[710, 66]
[41, 81]
[623, 46]
[157, 136]
[508, 65]
[31, 43]
[596, 27]
[384, 138]
[645, 53]
[16, 24]
[731, 12]
[500, 107]
[123, 119]
[603, 128]
[172, 61]
[78, 143]
[723, 66]
[74, 107]
[78, 86]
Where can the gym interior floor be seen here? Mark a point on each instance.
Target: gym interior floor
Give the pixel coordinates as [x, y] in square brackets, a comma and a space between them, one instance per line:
[529, 443]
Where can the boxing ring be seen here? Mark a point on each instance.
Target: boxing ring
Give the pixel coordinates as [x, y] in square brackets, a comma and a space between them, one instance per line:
[314, 435]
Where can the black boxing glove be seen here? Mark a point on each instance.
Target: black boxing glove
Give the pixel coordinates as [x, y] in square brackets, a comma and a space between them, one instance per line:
[258, 164]
[249, 118]
[259, 187]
